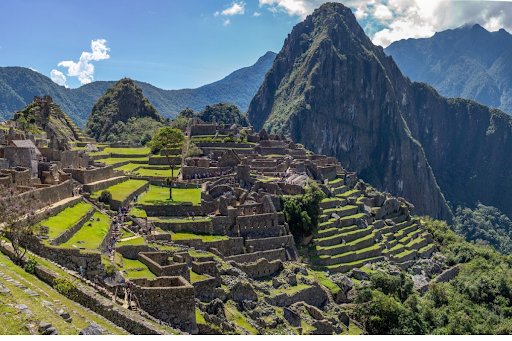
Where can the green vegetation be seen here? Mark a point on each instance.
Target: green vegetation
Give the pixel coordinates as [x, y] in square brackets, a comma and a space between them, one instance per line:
[224, 114]
[233, 314]
[204, 238]
[92, 235]
[127, 151]
[485, 225]
[477, 301]
[137, 212]
[122, 190]
[157, 172]
[123, 113]
[114, 160]
[303, 211]
[65, 219]
[160, 196]
[133, 268]
[195, 277]
[134, 241]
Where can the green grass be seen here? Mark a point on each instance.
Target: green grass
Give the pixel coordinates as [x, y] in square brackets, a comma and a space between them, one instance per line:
[160, 196]
[14, 323]
[291, 290]
[128, 151]
[204, 238]
[128, 167]
[199, 318]
[181, 219]
[195, 277]
[234, 315]
[137, 212]
[123, 190]
[65, 219]
[323, 279]
[114, 160]
[134, 268]
[135, 241]
[157, 172]
[92, 235]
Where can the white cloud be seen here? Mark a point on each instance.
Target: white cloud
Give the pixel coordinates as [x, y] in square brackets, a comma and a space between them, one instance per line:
[236, 8]
[33, 69]
[216, 13]
[256, 14]
[58, 77]
[226, 22]
[84, 69]
[382, 12]
[404, 19]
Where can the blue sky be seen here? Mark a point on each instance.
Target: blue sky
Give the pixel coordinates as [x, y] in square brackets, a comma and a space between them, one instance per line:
[186, 44]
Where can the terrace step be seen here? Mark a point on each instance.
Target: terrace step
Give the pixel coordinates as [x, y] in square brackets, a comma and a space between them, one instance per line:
[351, 256]
[344, 267]
[331, 251]
[346, 236]
[104, 184]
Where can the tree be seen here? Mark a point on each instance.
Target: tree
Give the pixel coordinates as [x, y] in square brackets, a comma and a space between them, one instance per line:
[19, 221]
[164, 141]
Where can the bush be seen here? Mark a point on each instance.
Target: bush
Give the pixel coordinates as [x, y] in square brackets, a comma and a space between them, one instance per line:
[65, 286]
[110, 270]
[105, 197]
[30, 267]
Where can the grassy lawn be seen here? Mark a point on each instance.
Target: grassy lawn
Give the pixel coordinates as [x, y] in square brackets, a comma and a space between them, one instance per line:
[65, 219]
[195, 277]
[123, 190]
[204, 238]
[135, 241]
[134, 268]
[160, 196]
[137, 212]
[113, 160]
[92, 235]
[323, 279]
[128, 151]
[129, 167]
[157, 172]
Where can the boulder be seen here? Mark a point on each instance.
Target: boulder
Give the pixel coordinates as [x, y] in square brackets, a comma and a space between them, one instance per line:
[292, 317]
[93, 329]
[360, 275]
[243, 291]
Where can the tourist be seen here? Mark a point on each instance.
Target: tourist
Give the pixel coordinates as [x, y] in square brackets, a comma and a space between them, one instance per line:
[81, 271]
[193, 216]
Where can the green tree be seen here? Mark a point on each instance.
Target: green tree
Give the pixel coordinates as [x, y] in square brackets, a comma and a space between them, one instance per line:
[165, 140]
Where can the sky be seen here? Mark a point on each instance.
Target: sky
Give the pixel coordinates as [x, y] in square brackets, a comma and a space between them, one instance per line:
[176, 44]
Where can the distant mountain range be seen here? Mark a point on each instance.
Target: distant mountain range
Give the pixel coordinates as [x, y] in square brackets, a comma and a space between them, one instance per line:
[18, 86]
[468, 62]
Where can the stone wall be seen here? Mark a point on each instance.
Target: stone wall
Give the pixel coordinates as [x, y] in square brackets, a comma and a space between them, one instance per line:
[20, 176]
[269, 255]
[100, 186]
[132, 251]
[313, 295]
[264, 244]
[5, 180]
[200, 227]
[258, 225]
[170, 210]
[159, 264]
[260, 268]
[132, 323]
[116, 204]
[233, 246]
[204, 290]
[86, 176]
[53, 194]
[169, 299]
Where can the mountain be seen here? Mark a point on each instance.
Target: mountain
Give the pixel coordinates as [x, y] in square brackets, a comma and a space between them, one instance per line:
[468, 62]
[122, 103]
[18, 86]
[335, 92]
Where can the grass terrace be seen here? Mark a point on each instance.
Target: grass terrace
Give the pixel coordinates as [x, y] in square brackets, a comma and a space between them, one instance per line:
[160, 196]
[114, 160]
[93, 235]
[65, 219]
[123, 190]
[157, 172]
[134, 241]
[128, 167]
[128, 151]
[133, 268]
[204, 238]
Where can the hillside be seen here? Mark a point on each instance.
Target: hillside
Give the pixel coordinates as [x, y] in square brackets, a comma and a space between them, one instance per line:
[118, 110]
[335, 92]
[19, 86]
[468, 62]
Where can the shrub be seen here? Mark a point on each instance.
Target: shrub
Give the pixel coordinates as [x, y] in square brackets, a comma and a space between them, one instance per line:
[65, 286]
[30, 266]
[105, 197]
[110, 270]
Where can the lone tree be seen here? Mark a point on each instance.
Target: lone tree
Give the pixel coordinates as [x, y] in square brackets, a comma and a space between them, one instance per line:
[19, 219]
[164, 141]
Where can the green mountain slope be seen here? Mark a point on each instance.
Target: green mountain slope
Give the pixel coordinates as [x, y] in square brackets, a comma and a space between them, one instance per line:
[467, 62]
[18, 86]
[335, 92]
[122, 103]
